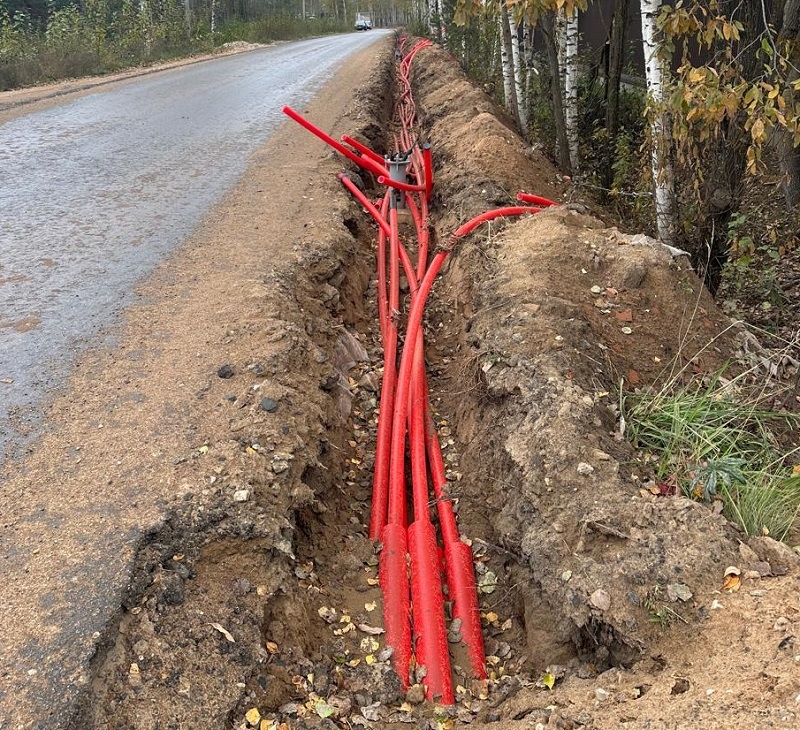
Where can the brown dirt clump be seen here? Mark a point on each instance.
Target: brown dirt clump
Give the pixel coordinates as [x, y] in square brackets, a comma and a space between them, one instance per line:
[218, 462]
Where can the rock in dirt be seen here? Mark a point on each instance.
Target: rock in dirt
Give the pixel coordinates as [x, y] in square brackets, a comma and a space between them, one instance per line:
[269, 405]
[600, 600]
[225, 371]
[172, 588]
[781, 558]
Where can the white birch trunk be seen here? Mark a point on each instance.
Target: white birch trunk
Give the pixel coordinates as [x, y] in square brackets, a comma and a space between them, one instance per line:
[506, 60]
[661, 161]
[530, 69]
[561, 45]
[434, 22]
[519, 86]
[571, 88]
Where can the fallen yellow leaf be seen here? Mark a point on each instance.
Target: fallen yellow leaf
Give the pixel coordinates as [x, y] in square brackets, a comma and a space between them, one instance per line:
[732, 583]
[253, 716]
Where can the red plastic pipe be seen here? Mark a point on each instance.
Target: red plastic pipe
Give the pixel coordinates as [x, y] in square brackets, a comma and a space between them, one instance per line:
[383, 180]
[365, 202]
[427, 599]
[365, 162]
[536, 199]
[393, 575]
[489, 215]
[459, 561]
[397, 489]
[380, 481]
[393, 571]
[363, 149]
[428, 162]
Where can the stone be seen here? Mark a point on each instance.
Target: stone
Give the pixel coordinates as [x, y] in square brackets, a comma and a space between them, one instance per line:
[600, 600]
[781, 558]
[172, 589]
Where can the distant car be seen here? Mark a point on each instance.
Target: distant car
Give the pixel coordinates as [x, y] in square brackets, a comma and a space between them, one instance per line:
[362, 24]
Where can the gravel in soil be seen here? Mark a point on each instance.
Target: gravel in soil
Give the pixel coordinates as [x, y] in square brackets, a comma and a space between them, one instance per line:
[252, 601]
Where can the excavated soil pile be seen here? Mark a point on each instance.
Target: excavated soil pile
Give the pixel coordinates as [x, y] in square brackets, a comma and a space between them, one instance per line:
[255, 603]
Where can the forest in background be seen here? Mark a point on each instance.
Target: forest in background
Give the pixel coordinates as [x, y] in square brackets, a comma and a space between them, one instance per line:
[48, 40]
[665, 112]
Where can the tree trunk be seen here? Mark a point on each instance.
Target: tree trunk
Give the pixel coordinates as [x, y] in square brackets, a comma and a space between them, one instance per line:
[727, 158]
[528, 31]
[660, 154]
[789, 155]
[187, 16]
[571, 88]
[519, 87]
[507, 60]
[616, 61]
[548, 25]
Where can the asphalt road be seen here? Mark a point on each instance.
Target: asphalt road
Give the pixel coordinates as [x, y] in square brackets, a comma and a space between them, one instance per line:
[96, 191]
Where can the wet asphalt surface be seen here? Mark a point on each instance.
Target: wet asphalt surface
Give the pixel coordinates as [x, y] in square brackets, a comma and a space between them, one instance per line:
[95, 192]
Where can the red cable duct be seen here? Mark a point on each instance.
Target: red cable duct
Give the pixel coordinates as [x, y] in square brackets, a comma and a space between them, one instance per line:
[536, 199]
[405, 408]
[366, 162]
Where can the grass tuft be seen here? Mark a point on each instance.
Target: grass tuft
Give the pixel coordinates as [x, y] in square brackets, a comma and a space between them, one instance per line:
[719, 440]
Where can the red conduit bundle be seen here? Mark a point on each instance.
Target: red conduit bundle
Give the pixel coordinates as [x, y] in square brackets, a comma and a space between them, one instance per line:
[405, 410]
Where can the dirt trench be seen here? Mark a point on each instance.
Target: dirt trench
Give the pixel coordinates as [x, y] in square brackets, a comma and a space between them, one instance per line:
[267, 613]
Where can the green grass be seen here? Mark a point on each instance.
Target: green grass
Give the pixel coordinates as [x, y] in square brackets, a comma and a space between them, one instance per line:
[29, 56]
[719, 441]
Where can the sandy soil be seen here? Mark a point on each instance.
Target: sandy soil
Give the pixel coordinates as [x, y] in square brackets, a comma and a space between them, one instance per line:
[186, 546]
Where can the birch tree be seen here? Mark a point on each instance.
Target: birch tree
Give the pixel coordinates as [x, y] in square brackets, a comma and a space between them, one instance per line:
[660, 151]
[507, 63]
[571, 87]
[519, 86]
[549, 25]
